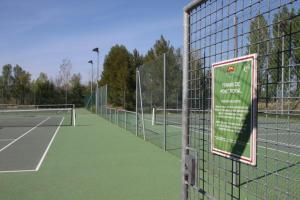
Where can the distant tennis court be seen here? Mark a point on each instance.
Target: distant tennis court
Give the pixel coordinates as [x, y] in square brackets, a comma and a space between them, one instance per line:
[26, 136]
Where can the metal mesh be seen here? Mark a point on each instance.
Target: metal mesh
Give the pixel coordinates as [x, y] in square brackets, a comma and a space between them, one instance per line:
[220, 30]
[123, 118]
[89, 102]
[173, 92]
[102, 100]
[151, 95]
[159, 94]
[159, 99]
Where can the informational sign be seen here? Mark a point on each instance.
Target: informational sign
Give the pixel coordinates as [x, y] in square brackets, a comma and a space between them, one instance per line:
[234, 105]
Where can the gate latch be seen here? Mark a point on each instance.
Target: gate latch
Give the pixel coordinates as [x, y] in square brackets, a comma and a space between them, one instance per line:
[190, 170]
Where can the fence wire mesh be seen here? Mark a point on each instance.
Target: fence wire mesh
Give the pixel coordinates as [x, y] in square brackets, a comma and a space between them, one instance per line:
[157, 117]
[160, 85]
[89, 102]
[151, 96]
[220, 30]
[123, 118]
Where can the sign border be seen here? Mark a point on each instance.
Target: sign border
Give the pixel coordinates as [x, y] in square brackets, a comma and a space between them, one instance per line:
[253, 136]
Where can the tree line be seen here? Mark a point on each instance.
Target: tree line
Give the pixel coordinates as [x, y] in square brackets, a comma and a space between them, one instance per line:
[18, 87]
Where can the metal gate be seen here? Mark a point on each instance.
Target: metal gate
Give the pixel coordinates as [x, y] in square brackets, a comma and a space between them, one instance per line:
[217, 30]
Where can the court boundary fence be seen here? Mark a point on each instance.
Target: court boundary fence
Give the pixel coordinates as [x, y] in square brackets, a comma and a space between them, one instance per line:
[155, 89]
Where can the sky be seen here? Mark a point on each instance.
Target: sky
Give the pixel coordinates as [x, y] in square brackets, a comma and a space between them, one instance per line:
[39, 34]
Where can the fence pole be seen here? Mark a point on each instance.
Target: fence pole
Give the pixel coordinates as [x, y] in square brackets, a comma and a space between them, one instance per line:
[100, 95]
[96, 98]
[282, 71]
[142, 109]
[185, 117]
[235, 164]
[106, 98]
[136, 102]
[165, 125]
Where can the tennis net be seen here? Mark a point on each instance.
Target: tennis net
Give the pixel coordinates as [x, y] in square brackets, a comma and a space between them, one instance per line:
[34, 106]
[34, 117]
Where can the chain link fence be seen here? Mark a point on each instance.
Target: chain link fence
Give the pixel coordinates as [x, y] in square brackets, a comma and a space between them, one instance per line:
[158, 105]
[89, 102]
[123, 118]
[160, 86]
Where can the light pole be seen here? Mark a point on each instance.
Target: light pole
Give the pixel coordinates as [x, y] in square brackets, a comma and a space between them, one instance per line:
[91, 62]
[97, 78]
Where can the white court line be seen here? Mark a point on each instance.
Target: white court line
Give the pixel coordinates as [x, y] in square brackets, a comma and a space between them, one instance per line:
[15, 140]
[285, 152]
[280, 143]
[15, 171]
[291, 133]
[257, 145]
[6, 139]
[48, 147]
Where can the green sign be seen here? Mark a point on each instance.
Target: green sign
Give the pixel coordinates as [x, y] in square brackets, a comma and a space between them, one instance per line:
[233, 119]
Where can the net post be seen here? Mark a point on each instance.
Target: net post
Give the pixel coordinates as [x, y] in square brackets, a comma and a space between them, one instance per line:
[74, 115]
[165, 125]
[153, 116]
[110, 115]
[125, 120]
[117, 116]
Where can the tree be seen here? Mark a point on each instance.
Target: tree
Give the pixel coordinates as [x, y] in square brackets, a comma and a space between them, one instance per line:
[7, 81]
[160, 47]
[46, 92]
[151, 75]
[21, 84]
[116, 73]
[64, 76]
[77, 90]
[16, 86]
[136, 61]
[284, 52]
[259, 39]
[2, 89]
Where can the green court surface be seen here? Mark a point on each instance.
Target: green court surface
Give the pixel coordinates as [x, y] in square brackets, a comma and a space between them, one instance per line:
[97, 160]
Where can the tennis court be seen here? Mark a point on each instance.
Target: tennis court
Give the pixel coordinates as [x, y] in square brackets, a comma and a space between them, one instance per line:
[26, 136]
[279, 132]
[93, 160]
